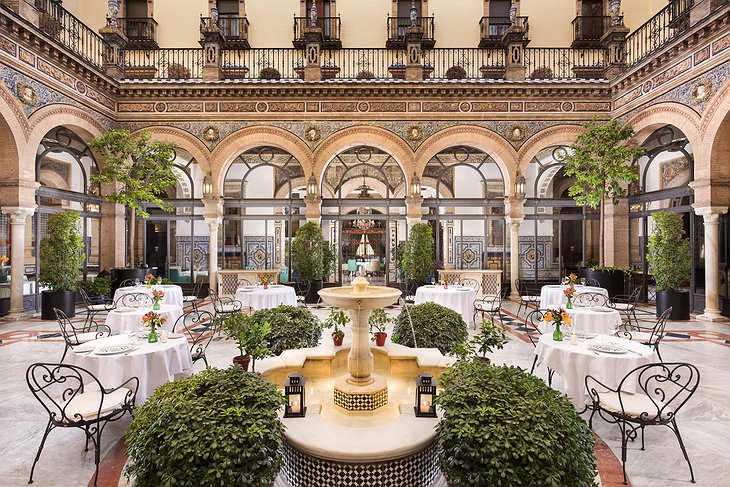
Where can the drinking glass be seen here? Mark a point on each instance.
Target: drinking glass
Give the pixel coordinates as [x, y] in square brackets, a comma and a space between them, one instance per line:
[136, 281]
[582, 281]
[581, 336]
[134, 338]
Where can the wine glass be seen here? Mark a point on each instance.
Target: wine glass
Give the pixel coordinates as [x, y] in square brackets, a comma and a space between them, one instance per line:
[582, 281]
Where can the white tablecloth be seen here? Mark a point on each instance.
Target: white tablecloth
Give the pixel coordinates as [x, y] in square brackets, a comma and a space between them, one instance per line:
[575, 362]
[259, 298]
[604, 321]
[173, 294]
[153, 363]
[552, 296]
[122, 320]
[460, 299]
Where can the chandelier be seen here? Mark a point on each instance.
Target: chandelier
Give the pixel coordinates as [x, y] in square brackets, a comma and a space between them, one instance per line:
[364, 223]
[364, 189]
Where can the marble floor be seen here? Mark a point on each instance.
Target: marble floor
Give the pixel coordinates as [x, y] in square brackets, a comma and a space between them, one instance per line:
[704, 421]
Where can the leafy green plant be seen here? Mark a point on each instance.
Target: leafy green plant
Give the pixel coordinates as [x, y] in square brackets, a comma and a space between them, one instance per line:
[378, 321]
[291, 327]
[669, 254]
[251, 336]
[62, 251]
[598, 160]
[329, 259]
[543, 72]
[435, 326]
[397, 252]
[307, 251]
[503, 426]
[137, 170]
[418, 255]
[490, 337]
[217, 427]
[100, 286]
[337, 319]
[269, 73]
[177, 71]
[456, 72]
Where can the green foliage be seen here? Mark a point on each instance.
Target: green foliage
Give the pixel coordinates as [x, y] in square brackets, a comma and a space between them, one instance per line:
[337, 319]
[669, 254]
[62, 252]
[329, 259]
[307, 251]
[490, 337]
[397, 251]
[505, 427]
[139, 167]
[418, 257]
[378, 321]
[100, 286]
[291, 328]
[435, 327]
[608, 268]
[251, 336]
[218, 427]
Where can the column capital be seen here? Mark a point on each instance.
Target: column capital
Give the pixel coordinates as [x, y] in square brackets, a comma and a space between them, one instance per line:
[213, 220]
[213, 207]
[711, 214]
[515, 222]
[18, 214]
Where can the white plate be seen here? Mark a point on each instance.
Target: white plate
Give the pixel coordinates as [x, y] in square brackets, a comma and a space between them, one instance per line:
[114, 349]
[608, 348]
[601, 309]
[276, 285]
[175, 335]
[244, 290]
[84, 348]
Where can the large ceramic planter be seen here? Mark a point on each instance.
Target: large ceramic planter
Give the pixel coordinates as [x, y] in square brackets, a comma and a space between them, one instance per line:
[119, 275]
[63, 300]
[312, 296]
[678, 301]
[611, 281]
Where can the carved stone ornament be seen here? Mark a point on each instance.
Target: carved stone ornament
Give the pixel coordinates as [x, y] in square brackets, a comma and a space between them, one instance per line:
[211, 133]
[27, 94]
[312, 133]
[516, 133]
[414, 132]
[701, 91]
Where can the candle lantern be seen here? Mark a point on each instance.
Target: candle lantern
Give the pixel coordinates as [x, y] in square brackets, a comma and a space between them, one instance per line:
[208, 185]
[294, 391]
[425, 395]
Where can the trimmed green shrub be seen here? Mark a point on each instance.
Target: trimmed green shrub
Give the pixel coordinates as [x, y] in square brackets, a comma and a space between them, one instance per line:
[291, 327]
[307, 250]
[505, 427]
[419, 256]
[62, 251]
[218, 427]
[435, 326]
[669, 254]
[100, 286]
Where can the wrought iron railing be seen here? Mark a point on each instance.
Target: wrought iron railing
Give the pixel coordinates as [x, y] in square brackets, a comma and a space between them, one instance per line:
[141, 32]
[453, 63]
[397, 30]
[560, 62]
[177, 63]
[59, 24]
[493, 29]
[268, 64]
[330, 31]
[588, 29]
[234, 29]
[657, 31]
[362, 63]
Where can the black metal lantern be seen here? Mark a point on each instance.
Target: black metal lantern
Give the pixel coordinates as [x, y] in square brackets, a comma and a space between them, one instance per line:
[295, 406]
[413, 13]
[425, 395]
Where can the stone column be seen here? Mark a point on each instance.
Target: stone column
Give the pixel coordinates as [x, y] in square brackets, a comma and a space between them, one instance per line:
[413, 209]
[114, 231]
[213, 215]
[514, 255]
[211, 40]
[613, 41]
[616, 233]
[18, 216]
[711, 216]
[114, 53]
[515, 40]
[313, 210]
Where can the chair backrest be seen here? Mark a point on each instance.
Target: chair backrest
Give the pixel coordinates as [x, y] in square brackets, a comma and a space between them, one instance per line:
[590, 299]
[196, 288]
[657, 333]
[126, 283]
[303, 286]
[472, 283]
[200, 328]
[85, 297]
[532, 323]
[634, 296]
[374, 265]
[134, 300]
[592, 282]
[243, 282]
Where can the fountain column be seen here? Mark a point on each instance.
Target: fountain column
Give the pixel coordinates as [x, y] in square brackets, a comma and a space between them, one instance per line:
[360, 358]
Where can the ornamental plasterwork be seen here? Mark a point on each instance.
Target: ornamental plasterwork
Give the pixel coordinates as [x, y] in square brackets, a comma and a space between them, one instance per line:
[29, 92]
[211, 134]
[312, 134]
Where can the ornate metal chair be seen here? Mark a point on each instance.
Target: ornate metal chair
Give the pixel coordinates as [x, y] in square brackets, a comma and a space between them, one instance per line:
[649, 395]
[302, 288]
[193, 298]
[472, 283]
[587, 300]
[592, 282]
[243, 283]
[409, 293]
[76, 334]
[200, 328]
[74, 398]
[490, 306]
[224, 306]
[532, 324]
[648, 336]
[127, 283]
[528, 299]
[626, 304]
[134, 300]
[94, 309]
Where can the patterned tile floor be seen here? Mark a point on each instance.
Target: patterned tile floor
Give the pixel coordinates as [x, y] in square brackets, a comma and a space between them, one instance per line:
[704, 422]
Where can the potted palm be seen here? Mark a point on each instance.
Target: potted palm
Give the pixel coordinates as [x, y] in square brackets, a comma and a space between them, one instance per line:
[418, 255]
[337, 320]
[308, 254]
[251, 337]
[378, 321]
[669, 257]
[61, 257]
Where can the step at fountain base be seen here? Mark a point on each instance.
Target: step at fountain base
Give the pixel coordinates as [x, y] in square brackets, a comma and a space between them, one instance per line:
[353, 397]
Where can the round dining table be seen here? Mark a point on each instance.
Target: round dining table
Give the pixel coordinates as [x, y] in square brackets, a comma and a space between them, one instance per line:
[553, 295]
[122, 320]
[153, 363]
[597, 320]
[459, 298]
[259, 298]
[588, 357]
[173, 293]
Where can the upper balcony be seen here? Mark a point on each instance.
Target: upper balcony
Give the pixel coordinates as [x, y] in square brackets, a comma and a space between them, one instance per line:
[589, 29]
[493, 29]
[397, 32]
[330, 27]
[141, 32]
[234, 30]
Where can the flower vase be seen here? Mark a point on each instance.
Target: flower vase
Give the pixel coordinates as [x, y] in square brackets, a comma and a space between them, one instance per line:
[156, 306]
[266, 286]
[149, 285]
[569, 304]
[557, 334]
[152, 337]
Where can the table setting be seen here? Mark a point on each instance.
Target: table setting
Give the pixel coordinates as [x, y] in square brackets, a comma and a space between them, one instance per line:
[453, 296]
[266, 296]
[554, 294]
[595, 319]
[124, 319]
[173, 294]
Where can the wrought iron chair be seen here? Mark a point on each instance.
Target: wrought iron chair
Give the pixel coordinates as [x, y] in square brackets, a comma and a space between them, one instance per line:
[649, 395]
[127, 283]
[528, 299]
[409, 292]
[592, 282]
[75, 335]
[489, 305]
[243, 283]
[649, 336]
[223, 306]
[626, 304]
[532, 324]
[588, 300]
[302, 288]
[74, 398]
[94, 309]
[134, 300]
[472, 283]
[200, 328]
[193, 298]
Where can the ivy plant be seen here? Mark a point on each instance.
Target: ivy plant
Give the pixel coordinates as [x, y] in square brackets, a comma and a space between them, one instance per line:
[669, 254]
[291, 327]
[418, 257]
[434, 326]
[62, 252]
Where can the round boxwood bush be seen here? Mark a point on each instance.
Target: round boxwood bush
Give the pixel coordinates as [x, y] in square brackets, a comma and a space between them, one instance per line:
[218, 427]
[435, 326]
[290, 327]
[505, 427]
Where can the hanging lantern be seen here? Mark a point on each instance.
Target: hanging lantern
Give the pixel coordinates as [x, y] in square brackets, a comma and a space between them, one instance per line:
[520, 187]
[207, 185]
[425, 395]
[312, 187]
[294, 391]
[415, 185]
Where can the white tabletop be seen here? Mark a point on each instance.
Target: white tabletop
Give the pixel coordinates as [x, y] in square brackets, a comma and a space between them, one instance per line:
[552, 295]
[122, 320]
[600, 320]
[153, 363]
[575, 362]
[459, 298]
[173, 293]
[259, 298]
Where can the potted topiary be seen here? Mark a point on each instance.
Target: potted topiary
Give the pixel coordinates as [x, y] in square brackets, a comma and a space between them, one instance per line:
[669, 255]
[378, 321]
[177, 71]
[290, 327]
[329, 260]
[308, 254]
[217, 427]
[418, 256]
[365, 74]
[455, 72]
[543, 72]
[61, 258]
[508, 426]
[490, 337]
[434, 326]
[269, 73]
[251, 338]
[337, 319]
[597, 160]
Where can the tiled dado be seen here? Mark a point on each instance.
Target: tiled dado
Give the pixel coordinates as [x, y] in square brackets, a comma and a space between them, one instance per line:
[361, 402]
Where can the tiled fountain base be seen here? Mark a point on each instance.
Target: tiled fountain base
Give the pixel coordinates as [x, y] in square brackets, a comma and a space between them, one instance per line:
[361, 398]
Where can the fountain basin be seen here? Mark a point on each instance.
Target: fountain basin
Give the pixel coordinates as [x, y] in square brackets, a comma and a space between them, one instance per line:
[373, 297]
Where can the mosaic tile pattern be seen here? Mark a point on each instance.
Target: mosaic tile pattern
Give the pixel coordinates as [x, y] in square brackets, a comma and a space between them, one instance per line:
[361, 402]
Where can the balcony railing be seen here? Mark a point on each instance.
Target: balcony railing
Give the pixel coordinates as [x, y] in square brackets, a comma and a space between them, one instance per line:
[174, 64]
[452, 63]
[234, 30]
[269, 64]
[493, 29]
[141, 32]
[58, 23]
[657, 31]
[588, 30]
[330, 31]
[397, 31]
[559, 62]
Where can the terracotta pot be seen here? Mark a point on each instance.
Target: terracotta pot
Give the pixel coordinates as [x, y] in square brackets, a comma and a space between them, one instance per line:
[242, 362]
[337, 339]
[380, 338]
[484, 360]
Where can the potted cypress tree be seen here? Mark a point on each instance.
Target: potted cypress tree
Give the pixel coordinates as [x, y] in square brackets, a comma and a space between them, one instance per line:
[308, 254]
[598, 161]
[669, 256]
[61, 257]
[418, 256]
